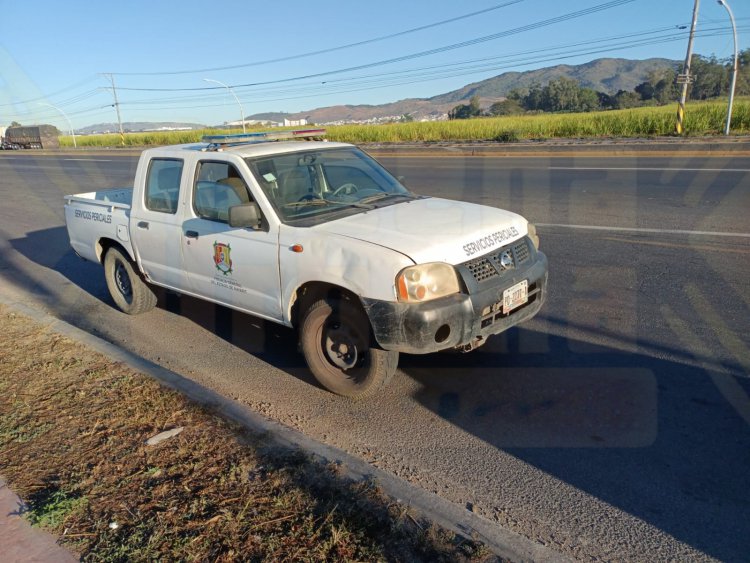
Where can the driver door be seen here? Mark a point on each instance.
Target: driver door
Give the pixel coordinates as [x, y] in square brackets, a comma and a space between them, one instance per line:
[236, 267]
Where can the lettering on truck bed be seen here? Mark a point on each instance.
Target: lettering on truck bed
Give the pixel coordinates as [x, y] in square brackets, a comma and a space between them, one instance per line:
[92, 216]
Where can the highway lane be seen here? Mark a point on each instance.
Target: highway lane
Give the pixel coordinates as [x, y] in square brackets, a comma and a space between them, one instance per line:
[615, 425]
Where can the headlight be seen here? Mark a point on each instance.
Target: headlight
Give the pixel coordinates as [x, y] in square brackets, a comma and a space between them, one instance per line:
[533, 236]
[426, 281]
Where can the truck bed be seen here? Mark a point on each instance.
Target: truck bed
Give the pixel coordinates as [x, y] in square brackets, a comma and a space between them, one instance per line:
[122, 196]
[94, 216]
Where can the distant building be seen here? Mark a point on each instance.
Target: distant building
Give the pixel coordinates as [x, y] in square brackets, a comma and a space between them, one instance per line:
[252, 123]
[167, 128]
[294, 122]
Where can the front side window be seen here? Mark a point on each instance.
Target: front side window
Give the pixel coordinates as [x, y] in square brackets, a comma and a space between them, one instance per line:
[163, 184]
[316, 186]
[218, 186]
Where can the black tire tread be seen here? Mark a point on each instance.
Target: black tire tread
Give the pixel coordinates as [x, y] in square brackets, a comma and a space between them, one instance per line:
[382, 366]
[144, 299]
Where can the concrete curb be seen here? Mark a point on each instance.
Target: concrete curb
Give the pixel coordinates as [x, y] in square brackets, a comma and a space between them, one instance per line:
[504, 543]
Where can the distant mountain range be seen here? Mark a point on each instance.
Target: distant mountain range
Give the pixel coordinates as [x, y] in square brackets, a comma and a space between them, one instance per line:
[138, 126]
[605, 75]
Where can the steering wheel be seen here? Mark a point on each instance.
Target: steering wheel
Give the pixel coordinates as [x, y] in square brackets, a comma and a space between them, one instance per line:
[346, 189]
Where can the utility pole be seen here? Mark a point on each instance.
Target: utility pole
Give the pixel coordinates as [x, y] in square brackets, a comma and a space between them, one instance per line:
[685, 78]
[734, 69]
[117, 106]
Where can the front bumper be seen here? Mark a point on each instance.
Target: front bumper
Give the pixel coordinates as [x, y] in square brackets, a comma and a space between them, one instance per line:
[458, 321]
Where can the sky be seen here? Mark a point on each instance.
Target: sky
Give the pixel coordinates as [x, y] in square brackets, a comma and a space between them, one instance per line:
[295, 55]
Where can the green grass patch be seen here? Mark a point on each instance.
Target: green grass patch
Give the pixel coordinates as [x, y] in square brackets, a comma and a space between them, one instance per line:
[49, 507]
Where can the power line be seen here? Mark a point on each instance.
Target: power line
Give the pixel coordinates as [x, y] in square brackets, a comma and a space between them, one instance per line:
[328, 50]
[434, 72]
[386, 79]
[475, 41]
[46, 96]
[408, 80]
[444, 65]
[474, 66]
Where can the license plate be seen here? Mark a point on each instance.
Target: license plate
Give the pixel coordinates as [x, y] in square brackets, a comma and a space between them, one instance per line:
[515, 296]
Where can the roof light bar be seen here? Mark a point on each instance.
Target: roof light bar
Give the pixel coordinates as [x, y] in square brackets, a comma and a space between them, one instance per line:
[262, 137]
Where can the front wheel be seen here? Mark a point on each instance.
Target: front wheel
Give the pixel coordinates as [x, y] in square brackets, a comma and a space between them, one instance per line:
[336, 342]
[130, 293]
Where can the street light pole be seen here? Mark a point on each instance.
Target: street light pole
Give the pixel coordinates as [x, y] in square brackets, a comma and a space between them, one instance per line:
[734, 70]
[72, 133]
[242, 112]
[684, 78]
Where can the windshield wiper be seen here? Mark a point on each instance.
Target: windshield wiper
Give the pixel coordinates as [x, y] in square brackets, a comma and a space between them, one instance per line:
[305, 202]
[357, 204]
[378, 197]
[322, 202]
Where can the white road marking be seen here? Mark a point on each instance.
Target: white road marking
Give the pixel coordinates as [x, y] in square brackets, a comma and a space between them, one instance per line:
[650, 231]
[89, 159]
[648, 168]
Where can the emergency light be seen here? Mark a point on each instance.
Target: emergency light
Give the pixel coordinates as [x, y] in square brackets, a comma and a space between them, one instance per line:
[216, 141]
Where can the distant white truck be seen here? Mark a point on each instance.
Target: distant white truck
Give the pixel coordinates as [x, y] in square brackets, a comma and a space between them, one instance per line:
[317, 236]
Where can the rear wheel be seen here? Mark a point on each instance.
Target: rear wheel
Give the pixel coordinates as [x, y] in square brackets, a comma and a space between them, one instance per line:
[130, 293]
[337, 344]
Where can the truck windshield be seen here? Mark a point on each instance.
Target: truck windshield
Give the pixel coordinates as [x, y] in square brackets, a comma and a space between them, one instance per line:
[320, 185]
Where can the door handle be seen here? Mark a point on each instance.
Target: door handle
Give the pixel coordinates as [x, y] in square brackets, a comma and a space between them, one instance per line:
[143, 225]
[191, 234]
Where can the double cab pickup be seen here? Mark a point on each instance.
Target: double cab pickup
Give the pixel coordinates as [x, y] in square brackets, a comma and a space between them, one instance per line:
[317, 236]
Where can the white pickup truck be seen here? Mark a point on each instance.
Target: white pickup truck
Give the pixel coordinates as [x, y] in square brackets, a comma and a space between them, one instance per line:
[317, 236]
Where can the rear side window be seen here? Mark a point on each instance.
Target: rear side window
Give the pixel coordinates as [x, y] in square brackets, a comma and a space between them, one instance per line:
[163, 184]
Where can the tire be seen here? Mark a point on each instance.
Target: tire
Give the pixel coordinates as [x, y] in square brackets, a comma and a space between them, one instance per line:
[128, 290]
[337, 345]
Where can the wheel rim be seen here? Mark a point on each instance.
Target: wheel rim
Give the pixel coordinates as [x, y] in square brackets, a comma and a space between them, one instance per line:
[343, 347]
[122, 280]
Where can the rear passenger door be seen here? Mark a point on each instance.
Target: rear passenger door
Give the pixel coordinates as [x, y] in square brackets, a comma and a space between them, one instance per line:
[156, 231]
[237, 267]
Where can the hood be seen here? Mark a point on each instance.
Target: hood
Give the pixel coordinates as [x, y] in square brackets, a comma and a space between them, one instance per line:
[433, 229]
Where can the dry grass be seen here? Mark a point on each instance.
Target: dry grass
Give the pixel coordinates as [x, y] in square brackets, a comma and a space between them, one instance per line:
[72, 430]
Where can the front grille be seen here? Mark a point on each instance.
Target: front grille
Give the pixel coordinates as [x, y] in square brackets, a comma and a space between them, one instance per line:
[521, 251]
[491, 265]
[481, 269]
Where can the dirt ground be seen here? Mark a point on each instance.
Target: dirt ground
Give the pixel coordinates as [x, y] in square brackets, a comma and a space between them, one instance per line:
[73, 431]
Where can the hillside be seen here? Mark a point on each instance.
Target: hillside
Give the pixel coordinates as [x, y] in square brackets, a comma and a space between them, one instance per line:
[603, 75]
[606, 75]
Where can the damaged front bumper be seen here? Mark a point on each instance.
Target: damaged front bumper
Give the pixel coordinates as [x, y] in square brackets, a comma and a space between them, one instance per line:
[462, 321]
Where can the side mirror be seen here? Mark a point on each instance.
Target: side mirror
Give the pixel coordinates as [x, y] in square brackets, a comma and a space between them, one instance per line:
[245, 215]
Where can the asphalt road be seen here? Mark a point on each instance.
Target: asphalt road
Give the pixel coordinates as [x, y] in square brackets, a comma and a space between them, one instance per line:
[615, 425]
